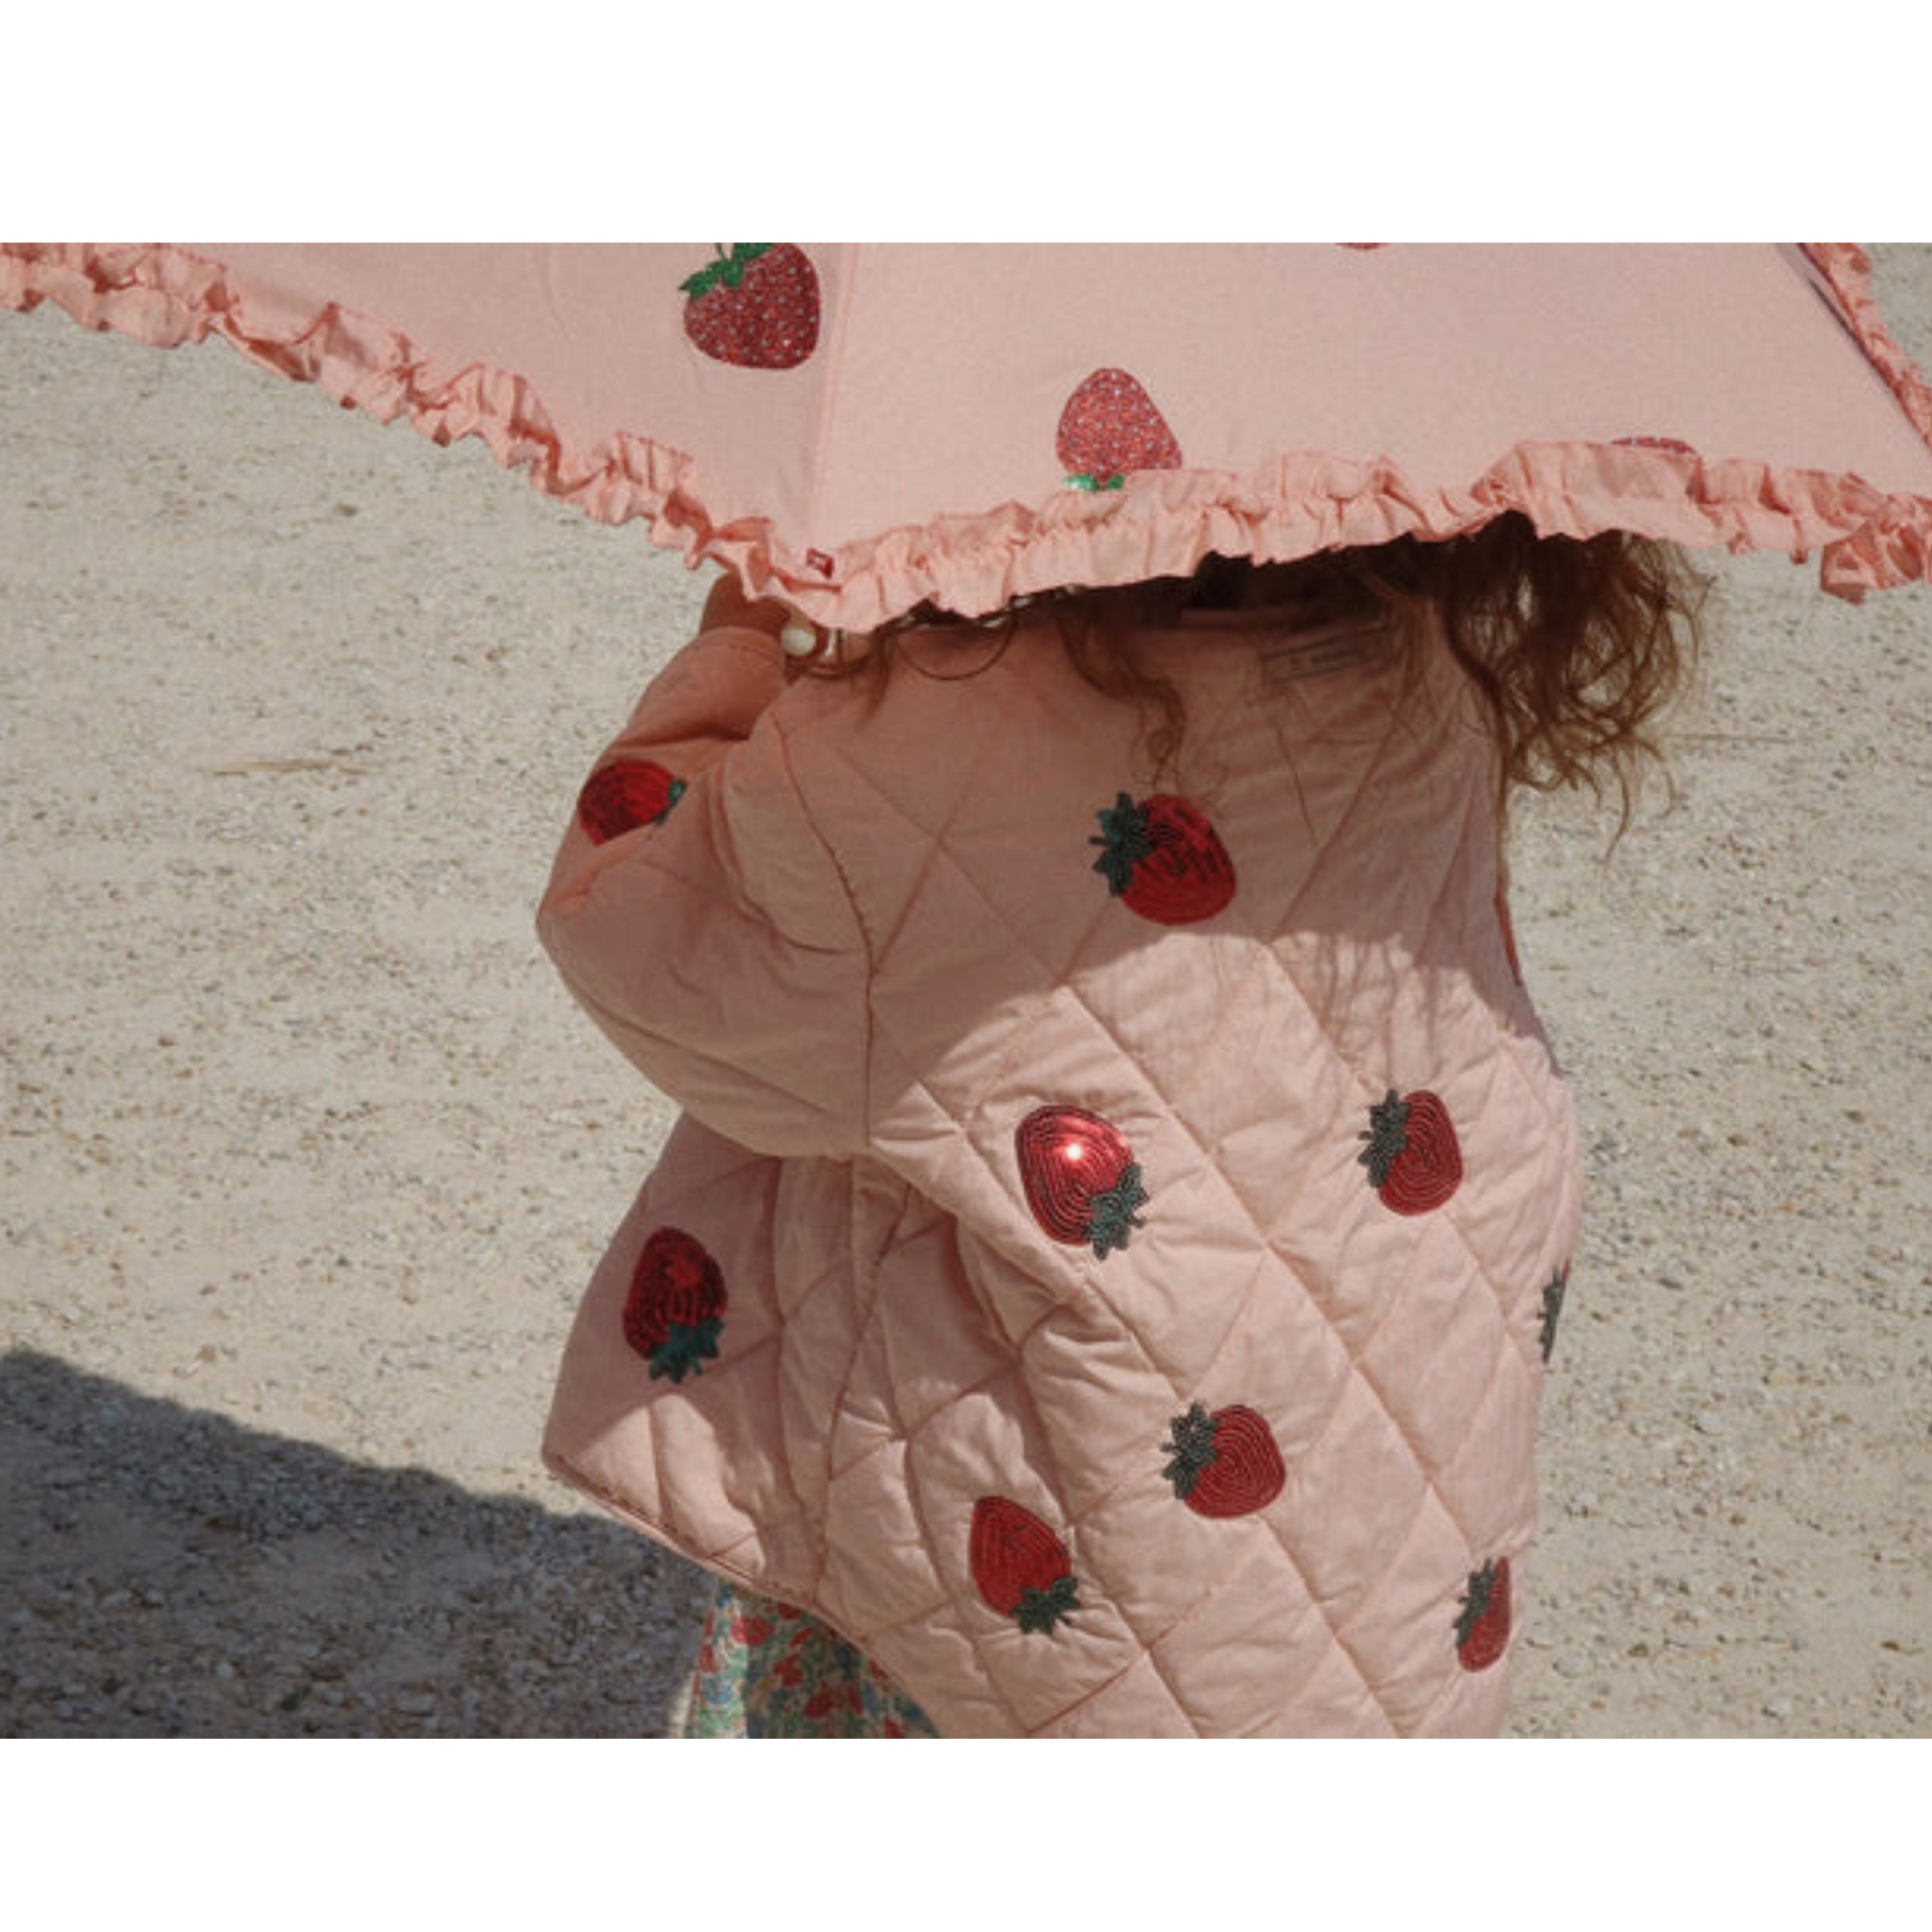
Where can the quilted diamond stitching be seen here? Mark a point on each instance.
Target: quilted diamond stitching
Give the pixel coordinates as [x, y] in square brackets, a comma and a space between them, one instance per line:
[1255, 969]
[1510, 1356]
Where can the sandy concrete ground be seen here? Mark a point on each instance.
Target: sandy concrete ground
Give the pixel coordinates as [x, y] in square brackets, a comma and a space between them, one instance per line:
[305, 1155]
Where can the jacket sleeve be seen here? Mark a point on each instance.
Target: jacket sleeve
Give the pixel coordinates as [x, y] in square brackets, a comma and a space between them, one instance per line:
[717, 945]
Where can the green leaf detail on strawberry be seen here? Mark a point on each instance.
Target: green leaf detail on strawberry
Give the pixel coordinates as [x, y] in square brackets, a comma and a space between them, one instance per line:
[1413, 1157]
[685, 1350]
[1553, 1291]
[673, 1313]
[1162, 859]
[727, 271]
[1114, 1216]
[1080, 1177]
[1109, 430]
[1224, 1462]
[1043, 1609]
[1124, 841]
[757, 308]
[1483, 1627]
[1020, 1567]
[624, 794]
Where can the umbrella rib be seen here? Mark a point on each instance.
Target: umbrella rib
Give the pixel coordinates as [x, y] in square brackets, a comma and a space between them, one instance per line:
[833, 350]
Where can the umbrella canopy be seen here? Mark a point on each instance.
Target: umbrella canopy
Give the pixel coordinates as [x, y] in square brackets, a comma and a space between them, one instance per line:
[859, 429]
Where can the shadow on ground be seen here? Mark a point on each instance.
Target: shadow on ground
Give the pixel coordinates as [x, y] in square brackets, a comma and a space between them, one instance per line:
[170, 1573]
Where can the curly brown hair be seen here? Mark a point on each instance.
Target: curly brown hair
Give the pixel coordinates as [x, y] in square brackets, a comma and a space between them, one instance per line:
[1577, 646]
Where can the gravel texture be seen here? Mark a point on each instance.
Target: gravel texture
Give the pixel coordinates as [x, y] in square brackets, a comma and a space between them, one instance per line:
[305, 1155]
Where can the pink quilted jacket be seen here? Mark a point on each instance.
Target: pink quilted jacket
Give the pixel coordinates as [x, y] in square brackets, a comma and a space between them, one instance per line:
[1107, 1261]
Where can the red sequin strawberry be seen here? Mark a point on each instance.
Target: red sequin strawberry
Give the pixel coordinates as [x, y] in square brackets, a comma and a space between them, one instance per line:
[756, 307]
[1020, 1566]
[626, 793]
[1482, 1630]
[676, 1309]
[1413, 1158]
[1109, 428]
[1163, 860]
[1225, 1462]
[1082, 1181]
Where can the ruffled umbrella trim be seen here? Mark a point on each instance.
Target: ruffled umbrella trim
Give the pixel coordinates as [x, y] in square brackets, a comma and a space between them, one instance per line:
[1162, 525]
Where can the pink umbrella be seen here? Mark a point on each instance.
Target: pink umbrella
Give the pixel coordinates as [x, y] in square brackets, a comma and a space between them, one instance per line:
[859, 429]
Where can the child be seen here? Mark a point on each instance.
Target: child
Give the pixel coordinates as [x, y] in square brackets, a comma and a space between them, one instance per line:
[1102, 1281]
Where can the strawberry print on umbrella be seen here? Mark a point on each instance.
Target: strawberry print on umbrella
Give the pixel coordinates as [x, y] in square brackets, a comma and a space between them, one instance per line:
[1413, 1157]
[1224, 1462]
[626, 793]
[1163, 860]
[1020, 1566]
[676, 1309]
[756, 307]
[1081, 1180]
[1110, 428]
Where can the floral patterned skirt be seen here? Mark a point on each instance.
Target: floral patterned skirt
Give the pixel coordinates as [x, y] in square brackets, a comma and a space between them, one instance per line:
[767, 1669]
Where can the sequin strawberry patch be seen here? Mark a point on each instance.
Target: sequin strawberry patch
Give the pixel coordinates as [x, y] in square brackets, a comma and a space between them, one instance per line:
[1109, 429]
[626, 793]
[1020, 1567]
[1483, 1622]
[1162, 859]
[1413, 1157]
[1223, 1462]
[756, 307]
[674, 1311]
[1081, 1180]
